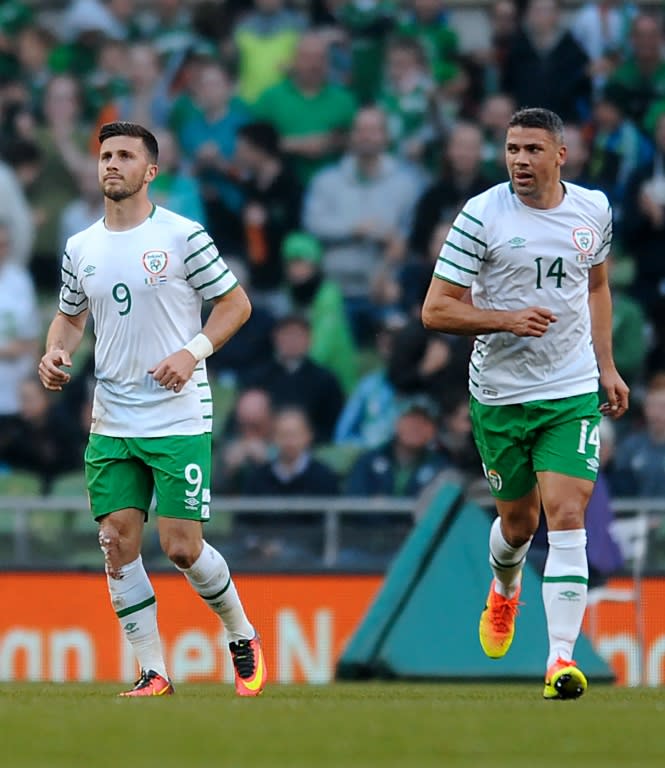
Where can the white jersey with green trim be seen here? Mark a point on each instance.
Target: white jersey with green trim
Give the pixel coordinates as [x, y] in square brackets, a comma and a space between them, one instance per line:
[144, 288]
[514, 256]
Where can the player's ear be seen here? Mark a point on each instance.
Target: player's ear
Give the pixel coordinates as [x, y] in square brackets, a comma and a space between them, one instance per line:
[151, 172]
[562, 155]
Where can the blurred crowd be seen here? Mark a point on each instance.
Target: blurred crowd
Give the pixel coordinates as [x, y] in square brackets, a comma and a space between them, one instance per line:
[327, 146]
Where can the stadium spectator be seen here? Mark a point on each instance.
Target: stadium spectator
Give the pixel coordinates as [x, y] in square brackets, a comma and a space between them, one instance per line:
[294, 539]
[639, 465]
[33, 46]
[493, 117]
[492, 57]
[360, 209]
[246, 446]
[546, 66]
[147, 101]
[84, 210]
[167, 26]
[576, 168]
[19, 328]
[175, 188]
[207, 138]
[405, 464]
[293, 471]
[644, 230]
[265, 41]
[273, 201]
[426, 362]
[426, 22]
[293, 378]
[405, 98]
[320, 300]
[618, 147]
[455, 437]
[16, 214]
[311, 115]
[370, 411]
[43, 441]
[460, 176]
[602, 30]
[62, 142]
[631, 334]
[640, 79]
[108, 81]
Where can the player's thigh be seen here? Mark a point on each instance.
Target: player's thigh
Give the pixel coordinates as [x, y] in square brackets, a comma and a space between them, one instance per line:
[115, 477]
[181, 470]
[568, 441]
[500, 435]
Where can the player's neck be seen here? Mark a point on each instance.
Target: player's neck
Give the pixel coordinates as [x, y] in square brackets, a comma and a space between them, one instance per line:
[550, 197]
[126, 214]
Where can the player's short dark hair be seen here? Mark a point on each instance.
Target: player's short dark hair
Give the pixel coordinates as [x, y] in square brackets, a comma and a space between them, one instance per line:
[537, 117]
[262, 135]
[136, 131]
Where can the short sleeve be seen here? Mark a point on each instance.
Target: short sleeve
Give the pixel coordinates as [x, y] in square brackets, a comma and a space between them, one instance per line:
[605, 236]
[73, 300]
[463, 251]
[205, 269]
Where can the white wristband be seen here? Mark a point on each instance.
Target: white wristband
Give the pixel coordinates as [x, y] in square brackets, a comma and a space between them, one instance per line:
[200, 346]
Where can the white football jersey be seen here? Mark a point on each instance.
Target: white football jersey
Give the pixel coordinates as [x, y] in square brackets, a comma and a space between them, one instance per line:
[514, 256]
[144, 288]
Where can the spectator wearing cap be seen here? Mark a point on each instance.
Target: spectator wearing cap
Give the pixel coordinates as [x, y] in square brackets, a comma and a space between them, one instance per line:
[292, 378]
[273, 199]
[321, 301]
[408, 462]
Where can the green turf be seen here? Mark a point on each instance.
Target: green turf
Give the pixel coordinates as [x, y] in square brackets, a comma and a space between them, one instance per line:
[345, 725]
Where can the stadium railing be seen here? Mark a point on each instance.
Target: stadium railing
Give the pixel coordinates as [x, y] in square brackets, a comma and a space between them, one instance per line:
[31, 527]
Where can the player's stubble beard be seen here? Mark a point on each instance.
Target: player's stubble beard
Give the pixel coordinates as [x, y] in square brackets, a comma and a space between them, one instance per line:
[122, 193]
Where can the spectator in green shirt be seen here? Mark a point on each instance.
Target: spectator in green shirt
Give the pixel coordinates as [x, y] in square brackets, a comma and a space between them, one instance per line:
[321, 301]
[311, 116]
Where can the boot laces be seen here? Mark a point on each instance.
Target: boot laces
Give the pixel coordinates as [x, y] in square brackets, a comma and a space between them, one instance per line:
[242, 654]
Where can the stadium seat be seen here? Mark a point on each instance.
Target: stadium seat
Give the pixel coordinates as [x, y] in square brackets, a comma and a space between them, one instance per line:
[19, 483]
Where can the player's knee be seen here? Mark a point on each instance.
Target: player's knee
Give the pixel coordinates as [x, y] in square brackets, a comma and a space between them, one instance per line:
[109, 543]
[181, 552]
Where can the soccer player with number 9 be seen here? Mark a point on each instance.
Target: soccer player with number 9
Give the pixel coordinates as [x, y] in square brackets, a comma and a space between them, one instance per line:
[533, 252]
[142, 273]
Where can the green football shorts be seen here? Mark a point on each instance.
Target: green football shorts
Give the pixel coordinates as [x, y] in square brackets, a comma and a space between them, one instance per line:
[124, 472]
[516, 441]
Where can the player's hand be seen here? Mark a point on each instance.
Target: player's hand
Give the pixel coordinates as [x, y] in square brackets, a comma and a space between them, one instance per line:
[175, 370]
[617, 394]
[532, 321]
[50, 373]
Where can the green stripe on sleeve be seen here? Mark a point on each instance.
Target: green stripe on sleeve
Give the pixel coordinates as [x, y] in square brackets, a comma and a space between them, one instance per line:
[448, 280]
[196, 234]
[471, 237]
[200, 250]
[472, 218]
[461, 250]
[209, 264]
[458, 266]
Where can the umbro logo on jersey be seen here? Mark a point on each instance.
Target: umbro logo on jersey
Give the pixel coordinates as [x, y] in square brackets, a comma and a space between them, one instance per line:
[90, 270]
[517, 242]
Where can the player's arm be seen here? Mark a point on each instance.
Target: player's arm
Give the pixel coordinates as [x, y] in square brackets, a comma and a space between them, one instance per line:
[62, 340]
[229, 313]
[447, 309]
[600, 309]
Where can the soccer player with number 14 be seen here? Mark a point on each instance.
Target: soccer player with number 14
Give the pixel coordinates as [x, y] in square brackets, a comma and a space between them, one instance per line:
[533, 252]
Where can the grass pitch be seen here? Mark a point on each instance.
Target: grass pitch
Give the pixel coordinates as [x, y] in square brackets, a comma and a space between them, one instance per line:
[391, 725]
